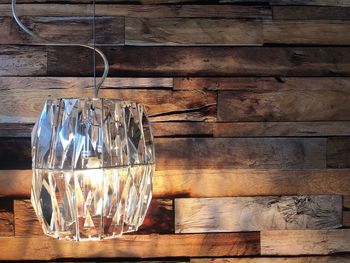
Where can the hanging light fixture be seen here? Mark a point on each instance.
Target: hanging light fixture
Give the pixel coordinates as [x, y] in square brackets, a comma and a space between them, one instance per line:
[93, 162]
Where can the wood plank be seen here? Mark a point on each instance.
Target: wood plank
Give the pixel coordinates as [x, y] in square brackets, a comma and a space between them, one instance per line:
[6, 217]
[346, 201]
[159, 129]
[15, 153]
[219, 182]
[275, 101]
[311, 13]
[223, 83]
[282, 129]
[12, 130]
[338, 152]
[291, 2]
[185, 153]
[109, 30]
[147, 11]
[193, 31]
[260, 83]
[25, 61]
[161, 104]
[154, 2]
[205, 61]
[170, 129]
[306, 32]
[279, 153]
[133, 246]
[346, 219]
[311, 259]
[230, 214]
[305, 242]
[159, 218]
[346, 211]
[72, 82]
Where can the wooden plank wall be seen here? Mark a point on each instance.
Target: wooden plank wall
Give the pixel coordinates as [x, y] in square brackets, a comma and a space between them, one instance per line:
[250, 104]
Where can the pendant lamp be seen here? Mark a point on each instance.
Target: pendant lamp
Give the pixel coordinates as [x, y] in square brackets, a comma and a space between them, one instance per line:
[93, 163]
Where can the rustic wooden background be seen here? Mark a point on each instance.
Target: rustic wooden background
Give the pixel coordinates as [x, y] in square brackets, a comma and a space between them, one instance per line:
[250, 103]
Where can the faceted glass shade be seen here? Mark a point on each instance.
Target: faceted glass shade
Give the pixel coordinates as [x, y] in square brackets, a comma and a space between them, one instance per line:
[93, 163]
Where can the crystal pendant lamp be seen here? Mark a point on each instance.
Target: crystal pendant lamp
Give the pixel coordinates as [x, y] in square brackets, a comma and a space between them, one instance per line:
[93, 163]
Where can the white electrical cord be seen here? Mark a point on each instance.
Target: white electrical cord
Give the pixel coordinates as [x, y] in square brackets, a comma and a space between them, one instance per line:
[51, 43]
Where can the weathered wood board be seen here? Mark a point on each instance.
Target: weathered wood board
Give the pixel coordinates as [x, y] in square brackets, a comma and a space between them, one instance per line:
[311, 13]
[133, 246]
[159, 218]
[305, 242]
[181, 31]
[146, 11]
[281, 129]
[24, 61]
[231, 214]
[218, 182]
[306, 32]
[204, 61]
[292, 104]
[200, 153]
[7, 226]
[159, 129]
[161, 104]
[310, 259]
[338, 150]
[278, 153]
[65, 29]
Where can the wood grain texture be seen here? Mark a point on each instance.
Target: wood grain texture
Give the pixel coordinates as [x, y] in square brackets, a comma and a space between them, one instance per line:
[240, 153]
[305, 242]
[185, 153]
[7, 226]
[159, 219]
[312, 259]
[271, 2]
[218, 182]
[306, 32]
[147, 11]
[15, 153]
[25, 61]
[255, 84]
[231, 214]
[346, 202]
[161, 104]
[343, 3]
[275, 101]
[205, 61]
[281, 129]
[159, 129]
[221, 83]
[12, 130]
[200, 31]
[84, 82]
[346, 211]
[133, 246]
[311, 13]
[346, 219]
[170, 129]
[109, 30]
[17, 182]
[338, 152]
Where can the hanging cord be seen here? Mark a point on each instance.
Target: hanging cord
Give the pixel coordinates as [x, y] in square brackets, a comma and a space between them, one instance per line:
[94, 44]
[51, 43]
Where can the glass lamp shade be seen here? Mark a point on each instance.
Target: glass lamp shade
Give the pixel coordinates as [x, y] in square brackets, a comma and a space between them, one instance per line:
[93, 163]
